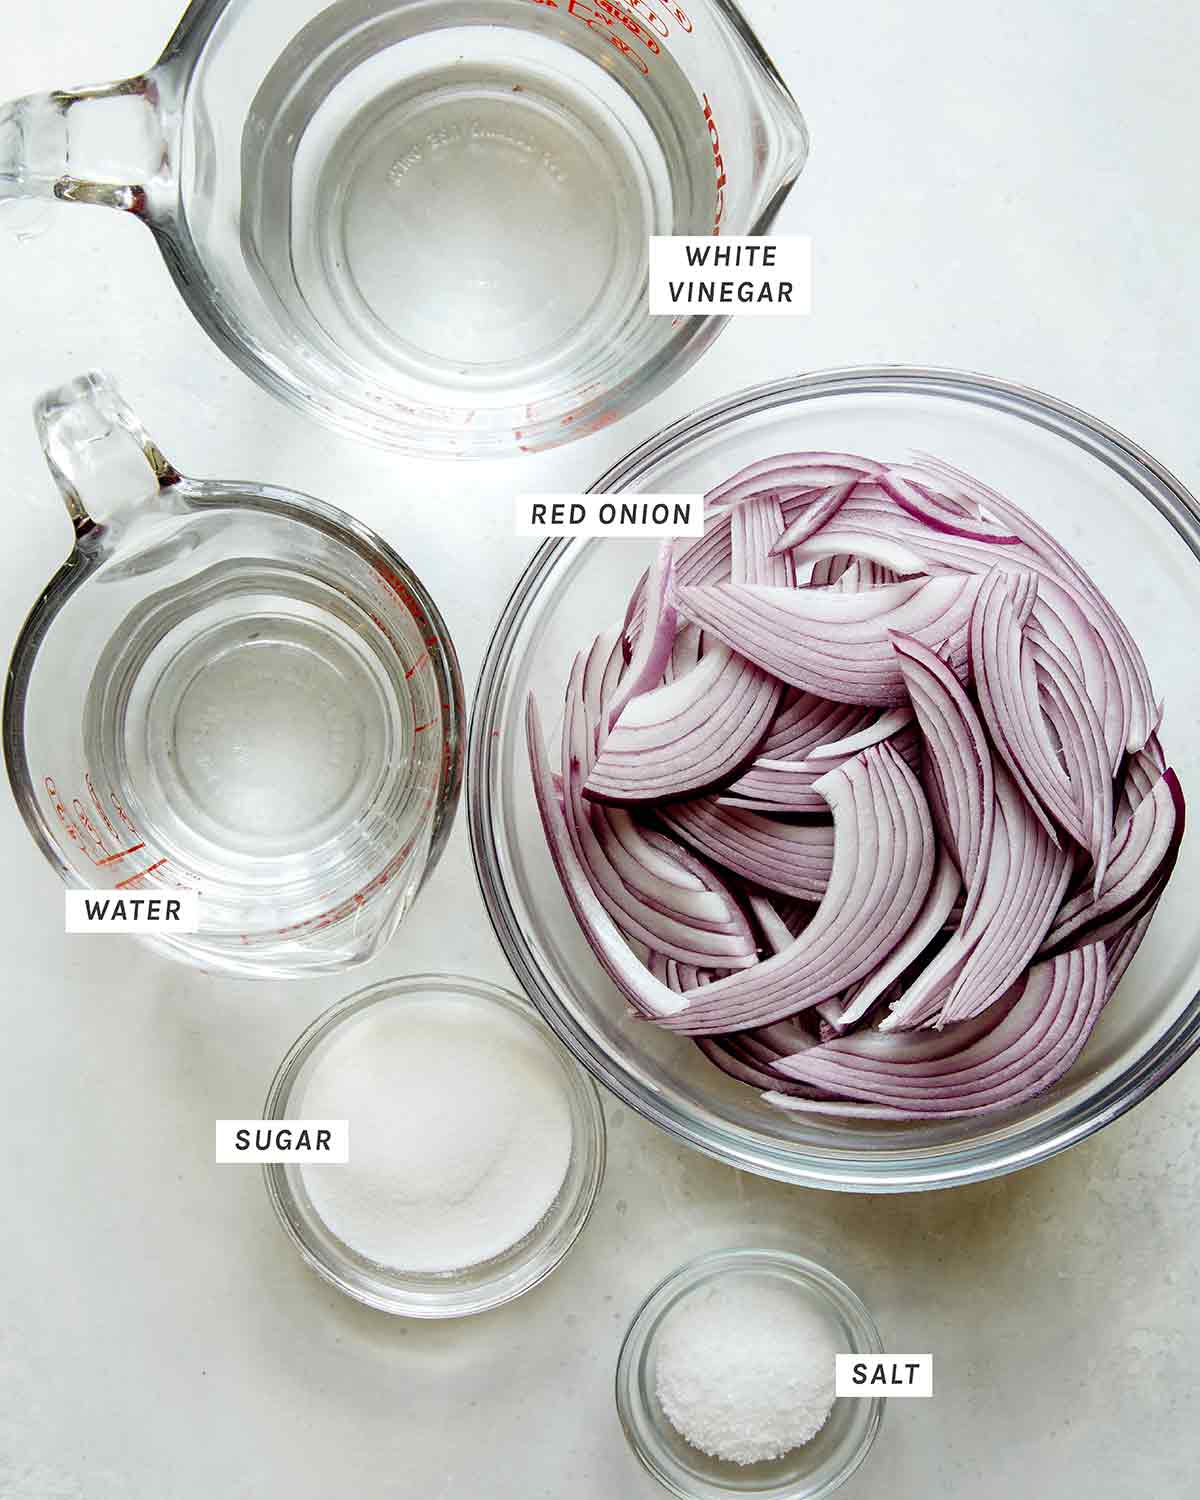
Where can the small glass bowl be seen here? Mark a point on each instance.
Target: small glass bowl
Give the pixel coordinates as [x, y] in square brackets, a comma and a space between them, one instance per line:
[818, 1467]
[474, 1289]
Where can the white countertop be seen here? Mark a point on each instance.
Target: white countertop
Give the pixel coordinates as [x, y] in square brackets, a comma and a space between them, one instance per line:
[1008, 188]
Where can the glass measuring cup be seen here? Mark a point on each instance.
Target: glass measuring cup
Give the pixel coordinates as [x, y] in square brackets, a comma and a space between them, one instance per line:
[234, 689]
[426, 221]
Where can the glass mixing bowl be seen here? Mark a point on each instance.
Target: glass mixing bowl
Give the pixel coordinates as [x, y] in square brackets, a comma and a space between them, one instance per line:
[1127, 520]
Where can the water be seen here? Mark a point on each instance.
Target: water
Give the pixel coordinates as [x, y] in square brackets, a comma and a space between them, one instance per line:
[266, 739]
[465, 210]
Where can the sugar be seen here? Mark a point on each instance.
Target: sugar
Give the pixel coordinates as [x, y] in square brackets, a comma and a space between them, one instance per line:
[460, 1132]
[745, 1369]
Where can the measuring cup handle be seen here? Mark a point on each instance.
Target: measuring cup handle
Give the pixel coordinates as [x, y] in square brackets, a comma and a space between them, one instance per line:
[101, 456]
[107, 145]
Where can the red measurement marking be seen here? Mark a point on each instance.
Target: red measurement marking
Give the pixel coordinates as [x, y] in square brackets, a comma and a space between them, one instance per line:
[124, 854]
[596, 20]
[421, 727]
[141, 875]
[714, 136]
[420, 662]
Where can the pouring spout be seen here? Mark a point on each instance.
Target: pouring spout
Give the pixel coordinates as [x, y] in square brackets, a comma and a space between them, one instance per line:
[102, 458]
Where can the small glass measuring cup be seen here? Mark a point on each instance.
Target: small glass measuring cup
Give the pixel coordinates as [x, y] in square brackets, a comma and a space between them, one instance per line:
[233, 689]
[427, 221]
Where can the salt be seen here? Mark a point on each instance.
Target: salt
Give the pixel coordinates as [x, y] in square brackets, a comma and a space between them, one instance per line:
[745, 1369]
[460, 1132]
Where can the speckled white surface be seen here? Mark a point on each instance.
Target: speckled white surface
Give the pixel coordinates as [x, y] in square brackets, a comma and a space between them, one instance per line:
[1007, 188]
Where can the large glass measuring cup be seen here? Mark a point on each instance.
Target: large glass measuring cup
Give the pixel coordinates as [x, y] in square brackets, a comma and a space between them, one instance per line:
[427, 221]
[232, 689]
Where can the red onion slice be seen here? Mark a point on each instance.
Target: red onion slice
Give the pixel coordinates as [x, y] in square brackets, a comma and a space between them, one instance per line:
[795, 858]
[862, 574]
[1143, 859]
[782, 786]
[814, 517]
[656, 640]
[882, 868]
[1023, 887]
[643, 904]
[687, 737]
[959, 757]
[1023, 1049]
[1072, 716]
[790, 471]
[700, 730]
[1105, 620]
[947, 883]
[832, 644]
[628, 973]
[909, 497]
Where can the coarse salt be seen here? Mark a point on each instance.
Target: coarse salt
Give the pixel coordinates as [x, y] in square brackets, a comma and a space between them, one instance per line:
[745, 1369]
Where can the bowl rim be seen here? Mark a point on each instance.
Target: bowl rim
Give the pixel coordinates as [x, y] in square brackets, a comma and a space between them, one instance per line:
[705, 1269]
[948, 1167]
[431, 1297]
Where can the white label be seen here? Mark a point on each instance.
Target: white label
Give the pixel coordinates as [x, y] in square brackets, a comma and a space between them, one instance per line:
[133, 911]
[745, 276]
[885, 1375]
[283, 1141]
[610, 515]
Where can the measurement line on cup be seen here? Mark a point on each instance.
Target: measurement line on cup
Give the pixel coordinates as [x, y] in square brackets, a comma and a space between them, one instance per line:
[141, 875]
[112, 859]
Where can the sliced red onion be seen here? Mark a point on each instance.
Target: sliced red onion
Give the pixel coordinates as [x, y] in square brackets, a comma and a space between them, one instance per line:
[709, 931]
[862, 574]
[1006, 686]
[656, 640]
[882, 868]
[795, 858]
[687, 737]
[947, 883]
[1036, 880]
[1122, 947]
[867, 914]
[814, 517]
[911, 498]
[701, 729]
[1138, 780]
[1143, 858]
[628, 973]
[1105, 620]
[833, 644]
[686, 652]
[1023, 887]
[871, 524]
[1000, 1060]
[791, 471]
[786, 786]
[719, 1051]
[805, 720]
[1080, 734]
[887, 726]
[959, 758]
[828, 570]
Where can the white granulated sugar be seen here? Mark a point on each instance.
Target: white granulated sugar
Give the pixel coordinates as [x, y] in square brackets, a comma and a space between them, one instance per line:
[460, 1132]
[746, 1369]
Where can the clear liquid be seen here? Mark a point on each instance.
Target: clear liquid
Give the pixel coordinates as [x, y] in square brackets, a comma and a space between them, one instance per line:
[464, 211]
[266, 739]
